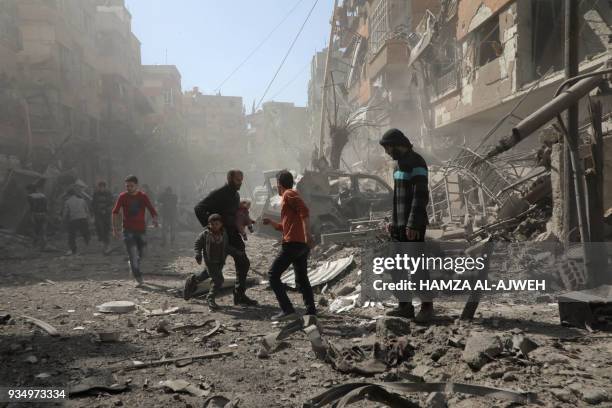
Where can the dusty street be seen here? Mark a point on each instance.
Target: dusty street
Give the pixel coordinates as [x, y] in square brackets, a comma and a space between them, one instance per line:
[569, 368]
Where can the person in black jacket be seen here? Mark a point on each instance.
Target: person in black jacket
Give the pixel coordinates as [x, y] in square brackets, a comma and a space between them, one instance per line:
[410, 198]
[225, 201]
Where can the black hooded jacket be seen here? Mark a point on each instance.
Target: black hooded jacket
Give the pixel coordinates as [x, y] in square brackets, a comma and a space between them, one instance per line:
[223, 201]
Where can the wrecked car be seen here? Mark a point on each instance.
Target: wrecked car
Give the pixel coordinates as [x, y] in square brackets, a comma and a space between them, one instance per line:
[334, 199]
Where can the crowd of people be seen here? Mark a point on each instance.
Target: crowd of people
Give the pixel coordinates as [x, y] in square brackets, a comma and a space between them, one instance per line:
[224, 218]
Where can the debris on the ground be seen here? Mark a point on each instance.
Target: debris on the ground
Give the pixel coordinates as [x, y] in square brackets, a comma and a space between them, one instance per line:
[4, 318]
[481, 348]
[328, 271]
[586, 307]
[524, 344]
[98, 383]
[219, 401]
[344, 303]
[52, 331]
[183, 386]
[117, 306]
[392, 326]
[139, 364]
[162, 327]
[386, 393]
[109, 336]
[31, 359]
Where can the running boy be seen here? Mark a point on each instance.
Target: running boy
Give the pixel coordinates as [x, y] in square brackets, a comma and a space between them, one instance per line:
[211, 246]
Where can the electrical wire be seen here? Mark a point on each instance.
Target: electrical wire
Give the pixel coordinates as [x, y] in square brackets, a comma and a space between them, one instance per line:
[287, 53]
[248, 57]
[291, 81]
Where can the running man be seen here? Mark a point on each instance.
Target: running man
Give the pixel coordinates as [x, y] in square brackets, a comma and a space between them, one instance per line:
[133, 204]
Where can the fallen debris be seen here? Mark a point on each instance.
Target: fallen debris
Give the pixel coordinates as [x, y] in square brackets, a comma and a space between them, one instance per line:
[103, 382]
[109, 337]
[183, 386]
[139, 364]
[586, 307]
[52, 331]
[118, 306]
[480, 349]
[382, 392]
[219, 401]
[321, 275]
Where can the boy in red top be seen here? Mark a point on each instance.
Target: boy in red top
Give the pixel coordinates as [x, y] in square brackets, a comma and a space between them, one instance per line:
[294, 250]
[133, 202]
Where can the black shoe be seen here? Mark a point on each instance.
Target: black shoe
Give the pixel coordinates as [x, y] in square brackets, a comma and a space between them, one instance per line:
[243, 299]
[405, 310]
[283, 316]
[191, 286]
[426, 313]
[212, 305]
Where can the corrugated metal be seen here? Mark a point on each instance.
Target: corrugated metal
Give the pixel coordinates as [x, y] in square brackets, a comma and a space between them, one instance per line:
[324, 273]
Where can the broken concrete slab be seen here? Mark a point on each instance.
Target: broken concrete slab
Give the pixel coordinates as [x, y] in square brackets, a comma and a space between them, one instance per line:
[524, 344]
[183, 386]
[118, 306]
[582, 308]
[480, 349]
[392, 326]
[43, 325]
[435, 400]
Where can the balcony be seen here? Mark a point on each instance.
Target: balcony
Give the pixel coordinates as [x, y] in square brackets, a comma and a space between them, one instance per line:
[394, 53]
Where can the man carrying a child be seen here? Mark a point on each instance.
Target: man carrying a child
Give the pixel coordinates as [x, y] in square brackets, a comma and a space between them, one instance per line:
[225, 201]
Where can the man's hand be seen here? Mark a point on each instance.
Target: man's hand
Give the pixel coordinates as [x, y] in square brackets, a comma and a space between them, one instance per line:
[155, 223]
[198, 259]
[413, 234]
[115, 233]
[266, 221]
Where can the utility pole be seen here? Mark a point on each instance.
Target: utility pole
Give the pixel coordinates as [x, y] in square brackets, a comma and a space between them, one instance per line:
[574, 166]
[328, 57]
[571, 70]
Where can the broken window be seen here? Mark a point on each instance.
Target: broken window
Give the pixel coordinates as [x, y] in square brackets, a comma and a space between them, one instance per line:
[379, 26]
[488, 43]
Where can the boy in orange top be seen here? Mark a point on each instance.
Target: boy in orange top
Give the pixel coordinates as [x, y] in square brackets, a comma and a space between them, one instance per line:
[294, 250]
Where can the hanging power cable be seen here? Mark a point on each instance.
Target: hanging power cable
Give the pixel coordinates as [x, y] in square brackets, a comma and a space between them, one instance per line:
[248, 57]
[291, 81]
[287, 54]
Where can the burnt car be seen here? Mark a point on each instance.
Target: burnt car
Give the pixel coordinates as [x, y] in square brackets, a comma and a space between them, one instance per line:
[334, 199]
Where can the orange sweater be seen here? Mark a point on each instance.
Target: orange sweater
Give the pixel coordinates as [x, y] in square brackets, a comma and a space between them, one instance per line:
[293, 211]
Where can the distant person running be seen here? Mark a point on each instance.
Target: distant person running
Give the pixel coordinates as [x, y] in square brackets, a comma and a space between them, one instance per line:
[295, 248]
[76, 215]
[133, 204]
[102, 203]
[38, 213]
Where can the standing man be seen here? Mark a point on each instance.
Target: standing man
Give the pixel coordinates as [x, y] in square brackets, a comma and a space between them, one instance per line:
[133, 203]
[38, 211]
[225, 201]
[76, 214]
[102, 203]
[168, 202]
[410, 198]
[294, 249]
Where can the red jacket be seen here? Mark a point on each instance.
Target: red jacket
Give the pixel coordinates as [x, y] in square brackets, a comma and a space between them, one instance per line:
[293, 211]
[133, 207]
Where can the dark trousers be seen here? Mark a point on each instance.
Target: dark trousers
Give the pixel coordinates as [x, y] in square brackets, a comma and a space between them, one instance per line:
[421, 274]
[296, 254]
[168, 227]
[214, 271]
[80, 226]
[39, 224]
[241, 261]
[103, 227]
[134, 244]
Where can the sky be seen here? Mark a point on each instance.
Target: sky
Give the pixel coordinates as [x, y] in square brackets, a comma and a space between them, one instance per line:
[208, 39]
